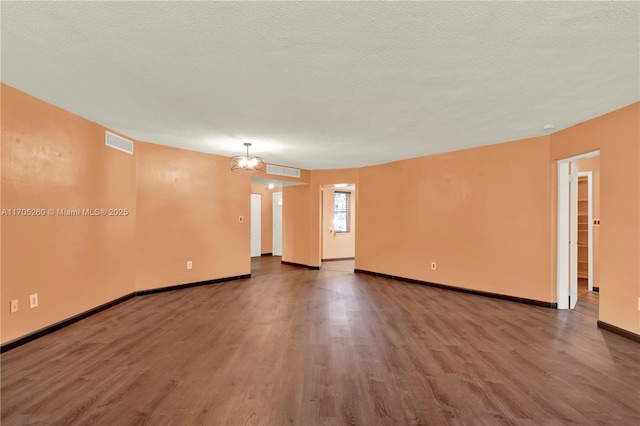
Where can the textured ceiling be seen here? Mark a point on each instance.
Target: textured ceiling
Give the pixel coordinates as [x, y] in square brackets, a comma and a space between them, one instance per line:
[326, 84]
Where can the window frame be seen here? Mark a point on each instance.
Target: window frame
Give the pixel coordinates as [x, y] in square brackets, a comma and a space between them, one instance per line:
[347, 212]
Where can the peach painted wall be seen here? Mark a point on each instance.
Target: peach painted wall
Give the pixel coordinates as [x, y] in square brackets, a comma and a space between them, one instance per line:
[617, 135]
[181, 206]
[593, 165]
[188, 209]
[267, 214]
[341, 245]
[483, 215]
[52, 159]
[295, 224]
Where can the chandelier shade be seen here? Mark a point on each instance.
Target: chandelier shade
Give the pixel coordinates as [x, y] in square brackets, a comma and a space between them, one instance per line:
[247, 163]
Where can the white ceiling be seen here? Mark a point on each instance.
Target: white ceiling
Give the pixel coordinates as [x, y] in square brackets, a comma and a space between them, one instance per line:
[326, 84]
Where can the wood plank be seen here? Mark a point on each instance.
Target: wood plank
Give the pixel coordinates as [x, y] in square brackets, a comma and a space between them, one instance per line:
[297, 346]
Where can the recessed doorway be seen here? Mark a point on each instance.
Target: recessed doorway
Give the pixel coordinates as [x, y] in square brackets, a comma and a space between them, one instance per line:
[338, 211]
[575, 231]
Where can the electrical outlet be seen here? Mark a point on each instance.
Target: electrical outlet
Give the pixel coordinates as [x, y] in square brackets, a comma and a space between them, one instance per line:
[33, 300]
[189, 264]
[433, 265]
[14, 306]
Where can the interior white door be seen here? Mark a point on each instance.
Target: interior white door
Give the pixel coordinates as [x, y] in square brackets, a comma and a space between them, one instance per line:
[563, 235]
[573, 237]
[277, 223]
[256, 222]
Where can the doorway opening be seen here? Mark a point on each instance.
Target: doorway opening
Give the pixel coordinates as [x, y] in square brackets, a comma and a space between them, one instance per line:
[338, 229]
[575, 232]
[585, 234]
[266, 256]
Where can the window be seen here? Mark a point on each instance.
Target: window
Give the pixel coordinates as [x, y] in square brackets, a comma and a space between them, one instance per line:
[341, 212]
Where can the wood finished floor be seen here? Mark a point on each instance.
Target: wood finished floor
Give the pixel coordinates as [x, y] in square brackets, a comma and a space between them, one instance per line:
[302, 347]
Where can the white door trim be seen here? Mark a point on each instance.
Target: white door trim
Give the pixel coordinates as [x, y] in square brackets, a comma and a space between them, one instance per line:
[562, 278]
[589, 176]
[256, 225]
[276, 198]
[573, 237]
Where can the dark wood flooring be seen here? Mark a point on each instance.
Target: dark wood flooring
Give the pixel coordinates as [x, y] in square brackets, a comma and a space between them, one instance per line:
[329, 347]
[587, 300]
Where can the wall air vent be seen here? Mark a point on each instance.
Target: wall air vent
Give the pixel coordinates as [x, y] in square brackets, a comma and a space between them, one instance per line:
[283, 171]
[116, 142]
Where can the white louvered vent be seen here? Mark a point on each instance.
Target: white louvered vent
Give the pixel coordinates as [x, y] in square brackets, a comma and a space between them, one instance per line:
[116, 142]
[283, 171]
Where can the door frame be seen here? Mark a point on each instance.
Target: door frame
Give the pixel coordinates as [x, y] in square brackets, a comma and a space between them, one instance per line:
[563, 222]
[252, 223]
[573, 235]
[589, 176]
[342, 185]
[273, 218]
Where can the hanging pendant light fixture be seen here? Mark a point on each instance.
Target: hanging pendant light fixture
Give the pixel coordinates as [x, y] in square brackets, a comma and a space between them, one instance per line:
[247, 163]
